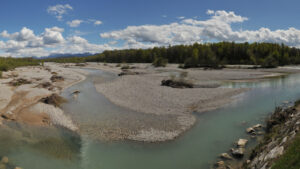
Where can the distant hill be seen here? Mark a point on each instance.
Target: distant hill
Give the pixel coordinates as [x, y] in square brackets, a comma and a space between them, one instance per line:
[66, 55]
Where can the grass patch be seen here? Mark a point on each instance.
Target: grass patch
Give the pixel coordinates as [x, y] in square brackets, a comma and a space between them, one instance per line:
[55, 100]
[291, 158]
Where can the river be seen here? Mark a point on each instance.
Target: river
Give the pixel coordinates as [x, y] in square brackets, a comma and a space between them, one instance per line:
[214, 133]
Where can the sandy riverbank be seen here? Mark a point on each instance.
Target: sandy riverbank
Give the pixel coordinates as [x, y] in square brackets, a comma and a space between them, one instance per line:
[143, 93]
[20, 101]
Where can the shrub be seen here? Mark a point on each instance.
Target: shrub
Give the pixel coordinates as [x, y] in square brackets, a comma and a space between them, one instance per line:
[160, 62]
[180, 82]
[177, 84]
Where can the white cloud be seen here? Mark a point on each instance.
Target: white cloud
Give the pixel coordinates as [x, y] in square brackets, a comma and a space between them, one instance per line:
[59, 10]
[74, 23]
[210, 12]
[76, 44]
[113, 42]
[97, 22]
[26, 43]
[180, 17]
[217, 28]
[53, 36]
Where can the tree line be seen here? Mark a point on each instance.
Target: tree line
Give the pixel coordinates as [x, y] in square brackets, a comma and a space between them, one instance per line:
[201, 55]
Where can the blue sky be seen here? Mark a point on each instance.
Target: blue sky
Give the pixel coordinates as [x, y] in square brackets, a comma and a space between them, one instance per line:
[140, 24]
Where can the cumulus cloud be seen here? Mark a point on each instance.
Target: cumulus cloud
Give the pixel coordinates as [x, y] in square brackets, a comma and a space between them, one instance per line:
[59, 10]
[53, 36]
[97, 22]
[217, 28]
[77, 44]
[25, 43]
[74, 23]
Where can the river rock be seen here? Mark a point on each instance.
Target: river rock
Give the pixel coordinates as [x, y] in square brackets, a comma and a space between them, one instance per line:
[238, 153]
[242, 142]
[220, 165]
[226, 156]
[250, 130]
[4, 160]
[18, 168]
[258, 126]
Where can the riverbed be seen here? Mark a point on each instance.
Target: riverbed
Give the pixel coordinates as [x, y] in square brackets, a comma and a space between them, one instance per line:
[214, 133]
